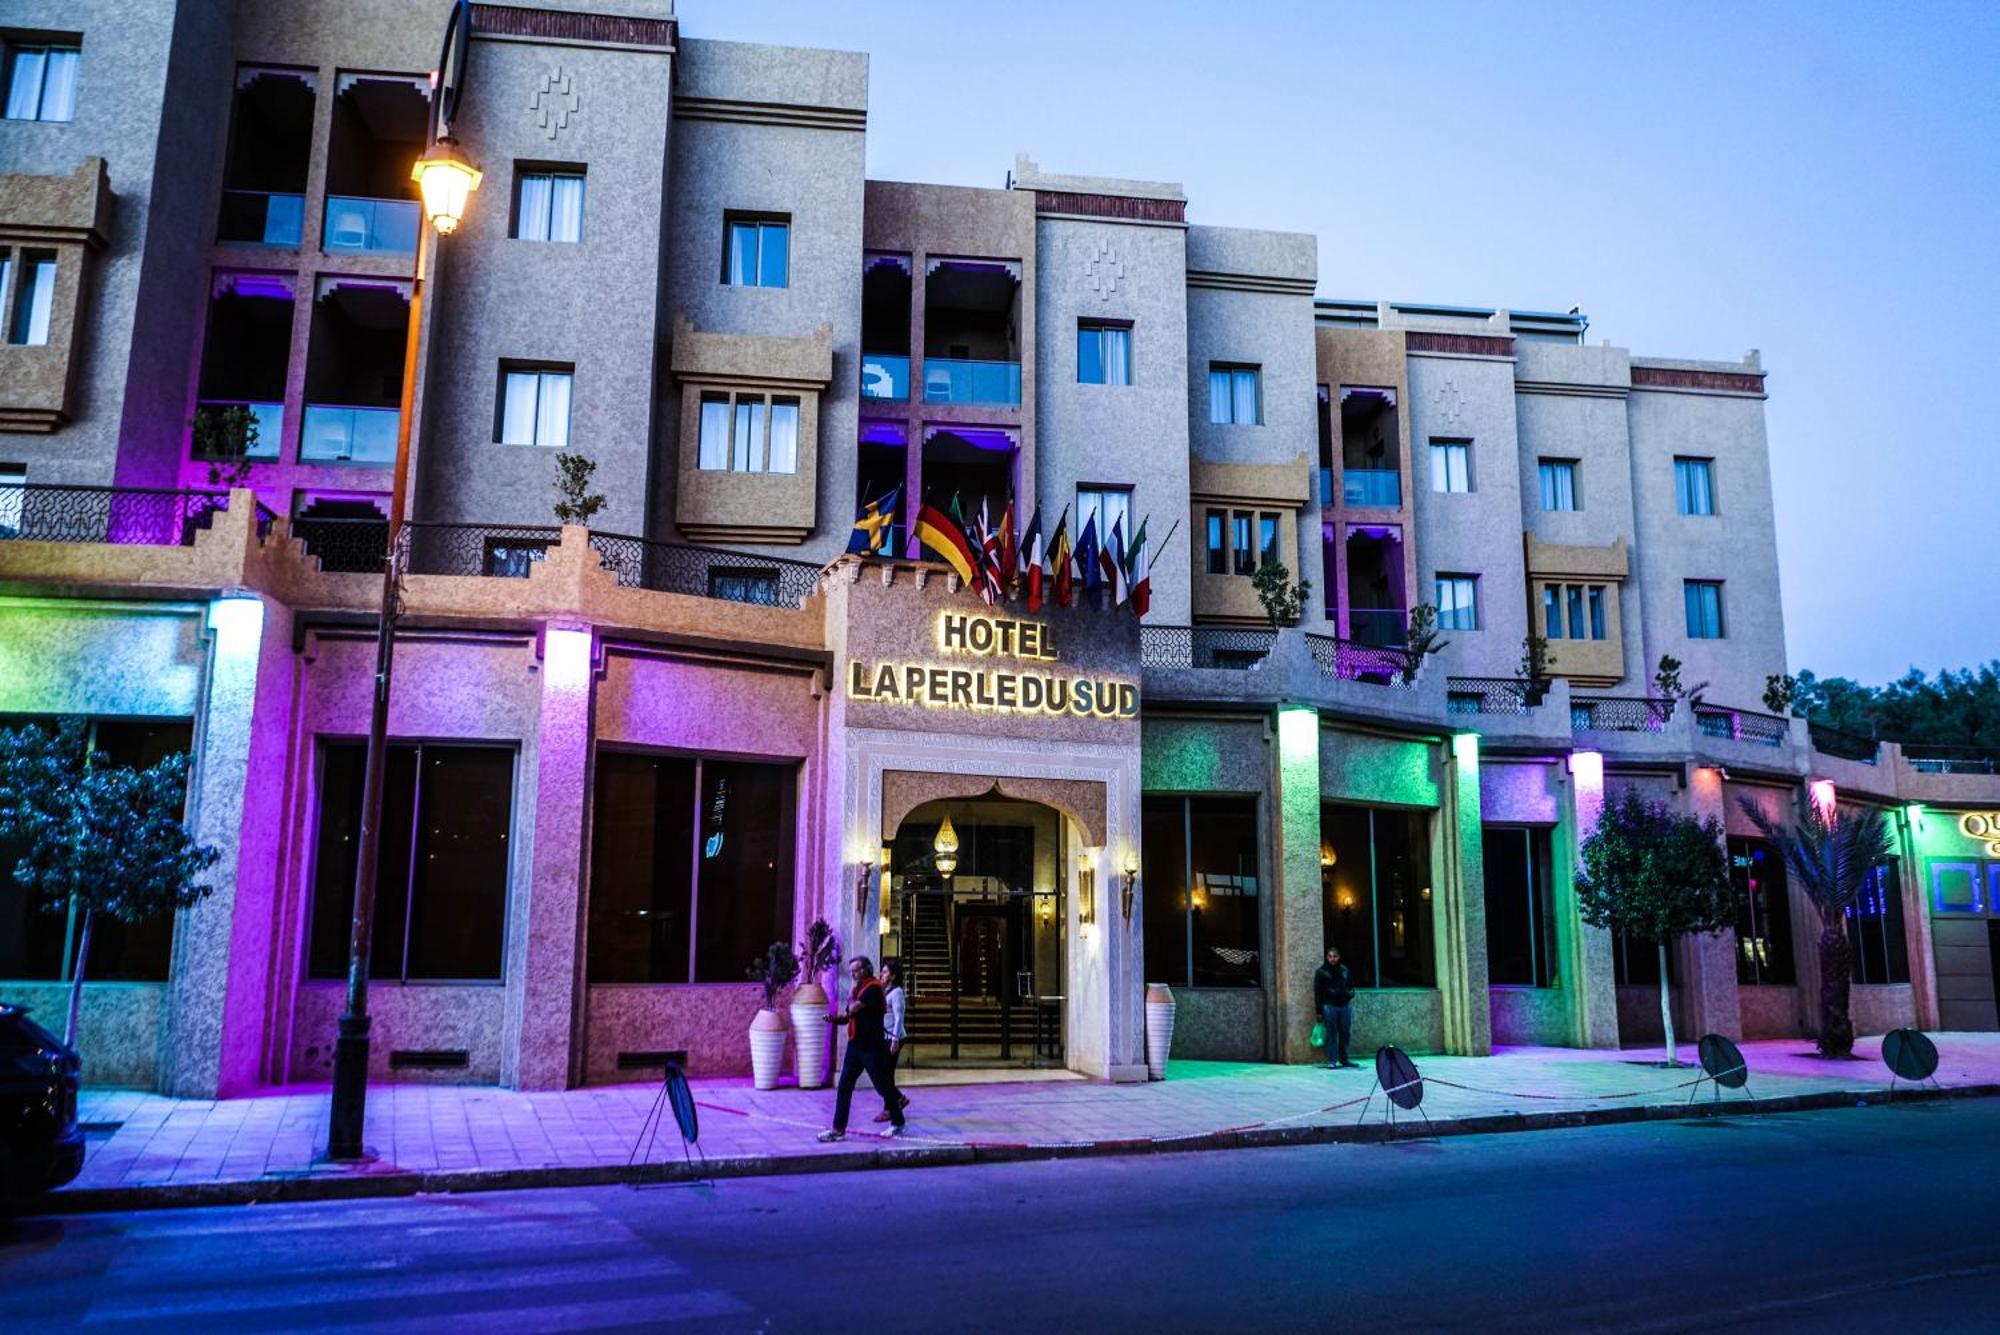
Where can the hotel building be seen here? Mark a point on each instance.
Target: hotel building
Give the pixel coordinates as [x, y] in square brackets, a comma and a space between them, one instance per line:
[627, 756]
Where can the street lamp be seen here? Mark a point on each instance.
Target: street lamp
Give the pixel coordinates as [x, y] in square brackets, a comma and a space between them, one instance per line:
[447, 182]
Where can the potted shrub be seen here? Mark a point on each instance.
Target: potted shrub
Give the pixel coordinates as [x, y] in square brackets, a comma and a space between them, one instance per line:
[818, 954]
[775, 969]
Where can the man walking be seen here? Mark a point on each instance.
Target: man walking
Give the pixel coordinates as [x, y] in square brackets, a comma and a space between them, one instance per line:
[1333, 993]
[867, 1050]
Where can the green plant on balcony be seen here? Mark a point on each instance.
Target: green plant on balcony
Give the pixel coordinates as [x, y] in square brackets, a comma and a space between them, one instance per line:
[96, 838]
[1830, 855]
[1421, 639]
[224, 435]
[1667, 684]
[1781, 692]
[1283, 601]
[576, 503]
[1650, 871]
[1532, 676]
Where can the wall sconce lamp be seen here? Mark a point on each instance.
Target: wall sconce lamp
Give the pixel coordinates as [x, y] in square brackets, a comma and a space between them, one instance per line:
[1325, 856]
[1086, 889]
[1131, 877]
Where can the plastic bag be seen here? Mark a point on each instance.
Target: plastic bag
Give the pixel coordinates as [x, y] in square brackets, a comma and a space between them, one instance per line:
[1318, 1035]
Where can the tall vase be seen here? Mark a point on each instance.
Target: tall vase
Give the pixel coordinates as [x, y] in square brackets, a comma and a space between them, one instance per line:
[767, 1048]
[809, 1034]
[1159, 1029]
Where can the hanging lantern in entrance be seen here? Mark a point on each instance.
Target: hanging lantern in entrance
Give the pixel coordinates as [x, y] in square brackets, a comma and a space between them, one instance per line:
[945, 846]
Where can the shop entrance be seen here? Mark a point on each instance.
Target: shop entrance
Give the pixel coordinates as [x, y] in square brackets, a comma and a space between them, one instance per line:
[975, 914]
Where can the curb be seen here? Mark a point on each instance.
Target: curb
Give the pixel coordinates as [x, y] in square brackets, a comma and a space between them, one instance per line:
[364, 1184]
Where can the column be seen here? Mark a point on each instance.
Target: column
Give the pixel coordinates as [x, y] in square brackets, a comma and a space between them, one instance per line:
[1298, 929]
[1584, 955]
[544, 968]
[1708, 1001]
[1459, 908]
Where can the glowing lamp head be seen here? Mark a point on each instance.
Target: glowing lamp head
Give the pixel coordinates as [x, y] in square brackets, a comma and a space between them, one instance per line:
[1131, 863]
[1823, 798]
[447, 182]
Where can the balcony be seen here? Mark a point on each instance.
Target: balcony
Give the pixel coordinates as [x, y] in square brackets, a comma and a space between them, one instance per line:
[1608, 713]
[1844, 745]
[261, 218]
[705, 572]
[124, 516]
[1384, 627]
[1204, 647]
[1381, 487]
[370, 226]
[885, 375]
[1741, 725]
[947, 380]
[1489, 695]
[1345, 660]
[270, 419]
[336, 433]
[1927, 759]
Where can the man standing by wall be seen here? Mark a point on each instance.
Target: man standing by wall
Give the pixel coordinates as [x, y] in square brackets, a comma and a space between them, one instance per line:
[1333, 993]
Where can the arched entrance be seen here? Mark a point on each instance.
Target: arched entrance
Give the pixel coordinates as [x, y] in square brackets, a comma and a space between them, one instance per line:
[976, 914]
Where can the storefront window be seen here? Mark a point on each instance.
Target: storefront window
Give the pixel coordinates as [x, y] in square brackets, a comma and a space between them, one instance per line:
[1520, 910]
[1635, 961]
[441, 883]
[1203, 924]
[1875, 928]
[1764, 924]
[1375, 882]
[33, 937]
[687, 850]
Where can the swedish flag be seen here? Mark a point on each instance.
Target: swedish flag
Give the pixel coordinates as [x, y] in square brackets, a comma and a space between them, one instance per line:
[872, 525]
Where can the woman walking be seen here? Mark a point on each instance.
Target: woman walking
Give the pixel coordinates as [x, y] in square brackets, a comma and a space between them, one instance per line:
[893, 1027]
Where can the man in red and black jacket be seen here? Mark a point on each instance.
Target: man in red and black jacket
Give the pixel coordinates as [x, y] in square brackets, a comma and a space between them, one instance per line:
[867, 1050]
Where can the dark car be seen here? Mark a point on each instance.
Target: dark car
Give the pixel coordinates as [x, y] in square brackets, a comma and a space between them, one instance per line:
[41, 1146]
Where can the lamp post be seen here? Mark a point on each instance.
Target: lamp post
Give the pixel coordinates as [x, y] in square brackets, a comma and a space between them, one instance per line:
[446, 181]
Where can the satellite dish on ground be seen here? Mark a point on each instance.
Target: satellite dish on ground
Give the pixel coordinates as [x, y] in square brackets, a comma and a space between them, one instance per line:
[1398, 1076]
[1722, 1061]
[1909, 1055]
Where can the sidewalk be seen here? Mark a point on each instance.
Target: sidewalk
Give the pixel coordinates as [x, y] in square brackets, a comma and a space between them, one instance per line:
[150, 1150]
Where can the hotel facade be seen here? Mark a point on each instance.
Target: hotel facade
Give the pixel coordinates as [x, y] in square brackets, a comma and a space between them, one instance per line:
[627, 756]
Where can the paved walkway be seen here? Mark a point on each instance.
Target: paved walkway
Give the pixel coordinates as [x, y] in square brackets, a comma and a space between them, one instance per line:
[148, 1141]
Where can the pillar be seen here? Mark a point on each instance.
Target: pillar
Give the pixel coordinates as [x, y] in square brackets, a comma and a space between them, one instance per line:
[1708, 1001]
[1588, 971]
[1298, 928]
[544, 965]
[1458, 910]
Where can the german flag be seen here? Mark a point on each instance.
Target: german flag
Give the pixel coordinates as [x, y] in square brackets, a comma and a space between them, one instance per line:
[945, 539]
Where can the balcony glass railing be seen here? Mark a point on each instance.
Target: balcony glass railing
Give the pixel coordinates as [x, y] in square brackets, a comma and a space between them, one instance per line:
[370, 226]
[884, 375]
[270, 419]
[1377, 625]
[343, 435]
[1371, 486]
[261, 218]
[950, 381]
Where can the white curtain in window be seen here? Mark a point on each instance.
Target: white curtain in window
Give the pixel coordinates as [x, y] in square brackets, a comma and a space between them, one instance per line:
[552, 412]
[784, 436]
[59, 86]
[24, 85]
[714, 453]
[566, 210]
[1218, 396]
[35, 302]
[517, 412]
[533, 222]
[1246, 398]
[748, 456]
[1117, 356]
[743, 254]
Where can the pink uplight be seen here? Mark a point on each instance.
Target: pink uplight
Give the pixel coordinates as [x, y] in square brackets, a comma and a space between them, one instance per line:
[566, 657]
[1823, 798]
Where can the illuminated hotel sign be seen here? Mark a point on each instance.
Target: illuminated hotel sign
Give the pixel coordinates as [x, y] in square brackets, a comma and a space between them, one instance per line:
[1984, 826]
[1037, 686]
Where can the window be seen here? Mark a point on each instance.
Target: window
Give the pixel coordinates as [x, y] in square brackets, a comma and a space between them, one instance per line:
[41, 81]
[1458, 602]
[33, 295]
[1203, 925]
[1246, 555]
[441, 887]
[1520, 907]
[1233, 395]
[1375, 887]
[690, 867]
[548, 205]
[1875, 928]
[1704, 609]
[1635, 961]
[1451, 465]
[1558, 484]
[1218, 542]
[1103, 353]
[1579, 607]
[13, 508]
[1239, 541]
[747, 433]
[1267, 540]
[1764, 923]
[1109, 506]
[1694, 486]
[534, 408]
[757, 250]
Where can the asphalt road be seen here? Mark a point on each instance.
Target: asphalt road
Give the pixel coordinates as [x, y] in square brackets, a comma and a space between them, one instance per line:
[1885, 1218]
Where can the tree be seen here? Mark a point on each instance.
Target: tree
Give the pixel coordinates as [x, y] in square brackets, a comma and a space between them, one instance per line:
[576, 503]
[1781, 689]
[224, 436]
[1955, 708]
[1649, 870]
[104, 838]
[1533, 672]
[1283, 600]
[1830, 855]
[1420, 639]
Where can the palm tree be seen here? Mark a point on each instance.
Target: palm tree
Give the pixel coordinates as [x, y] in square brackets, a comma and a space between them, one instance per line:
[1830, 855]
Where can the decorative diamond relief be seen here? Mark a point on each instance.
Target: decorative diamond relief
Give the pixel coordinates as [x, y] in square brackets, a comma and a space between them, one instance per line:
[555, 101]
[1447, 404]
[1103, 270]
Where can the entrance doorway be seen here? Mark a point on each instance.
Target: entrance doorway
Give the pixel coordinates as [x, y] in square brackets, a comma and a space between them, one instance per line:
[975, 915]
